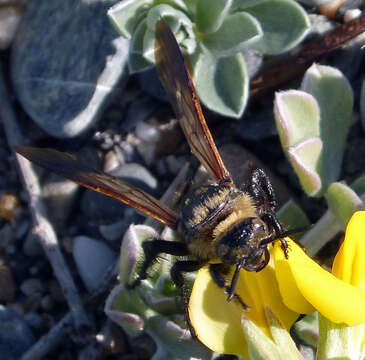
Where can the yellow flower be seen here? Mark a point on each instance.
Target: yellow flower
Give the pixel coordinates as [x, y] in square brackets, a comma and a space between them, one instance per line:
[288, 287]
[349, 264]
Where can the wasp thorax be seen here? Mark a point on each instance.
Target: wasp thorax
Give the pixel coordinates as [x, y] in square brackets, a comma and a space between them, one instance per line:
[241, 243]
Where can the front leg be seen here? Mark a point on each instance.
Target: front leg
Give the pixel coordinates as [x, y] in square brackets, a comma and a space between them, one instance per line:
[151, 250]
[217, 272]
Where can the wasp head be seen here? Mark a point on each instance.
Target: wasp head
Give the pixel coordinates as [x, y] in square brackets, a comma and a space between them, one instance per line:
[241, 245]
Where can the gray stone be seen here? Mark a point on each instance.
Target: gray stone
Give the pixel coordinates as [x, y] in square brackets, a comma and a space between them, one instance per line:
[92, 258]
[16, 336]
[67, 61]
[100, 207]
[112, 232]
[60, 194]
[31, 245]
[9, 21]
[137, 175]
[32, 286]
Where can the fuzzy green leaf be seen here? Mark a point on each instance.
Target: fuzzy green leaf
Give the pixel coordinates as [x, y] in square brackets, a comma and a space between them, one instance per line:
[339, 341]
[127, 14]
[176, 340]
[260, 346]
[131, 252]
[222, 84]
[297, 120]
[238, 31]
[297, 117]
[210, 14]
[306, 161]
[284, 24]
[178, 22]
[282, 338]
[136, 61]
[343, 202]
[335, 98]
[307, 329]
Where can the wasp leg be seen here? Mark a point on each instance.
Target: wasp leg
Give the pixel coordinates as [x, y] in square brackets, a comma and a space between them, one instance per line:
[276, 227]
[177, 277]
[151, 250]
[261, 189]
[216, 272]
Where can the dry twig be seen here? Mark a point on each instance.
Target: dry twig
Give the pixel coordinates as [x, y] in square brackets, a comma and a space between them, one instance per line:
[43, 228]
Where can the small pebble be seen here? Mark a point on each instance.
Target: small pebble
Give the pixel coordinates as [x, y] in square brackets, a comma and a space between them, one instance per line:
[31, 246]
[32, 286]
[22, 228]
[7, 285]
[92, 258]
[9, 20]
[9, 205]
[47, 303]
[34, 320]
[352, 14]
[113, 231]
[143, 346]
[7, 236]
[16, 337]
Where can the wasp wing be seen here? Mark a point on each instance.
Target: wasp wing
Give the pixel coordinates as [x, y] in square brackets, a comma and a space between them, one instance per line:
[180, 90]
[66, 165]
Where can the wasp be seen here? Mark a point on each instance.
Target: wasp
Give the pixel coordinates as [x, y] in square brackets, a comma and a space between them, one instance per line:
[220, 224]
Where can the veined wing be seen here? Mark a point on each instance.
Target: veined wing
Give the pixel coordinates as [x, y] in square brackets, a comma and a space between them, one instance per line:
[66, 165]
[180, 89]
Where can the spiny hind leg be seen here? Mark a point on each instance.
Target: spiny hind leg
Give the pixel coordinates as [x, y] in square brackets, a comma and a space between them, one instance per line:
[151, 250]
[217, 272]
[178, 278]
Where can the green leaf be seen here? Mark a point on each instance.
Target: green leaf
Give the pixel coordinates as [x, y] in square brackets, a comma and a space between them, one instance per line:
[178, 22]
[260, 346]
[297, 119]
[343, 202]
[238, 31]
[210, 14]
[131, 252]
[335, 98]
[306, 161]
[307, 329]
[339, 341]
[282, 338]
[175, 339]
[127, 14]
[222, 84]
[175, 18]
[284, 24]
[136, 61]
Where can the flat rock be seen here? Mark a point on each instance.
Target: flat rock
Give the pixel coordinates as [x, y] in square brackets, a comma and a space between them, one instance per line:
[67, 61]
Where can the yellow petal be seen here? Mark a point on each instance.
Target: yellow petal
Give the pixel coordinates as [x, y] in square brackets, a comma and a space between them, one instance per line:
[291, 294]
[349, 263]
[216, 321]
[260, 290]
[332, 297]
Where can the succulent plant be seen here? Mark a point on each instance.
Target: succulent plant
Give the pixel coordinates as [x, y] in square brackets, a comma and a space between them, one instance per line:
[154, 306]
[313, 124]
[212, 33]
